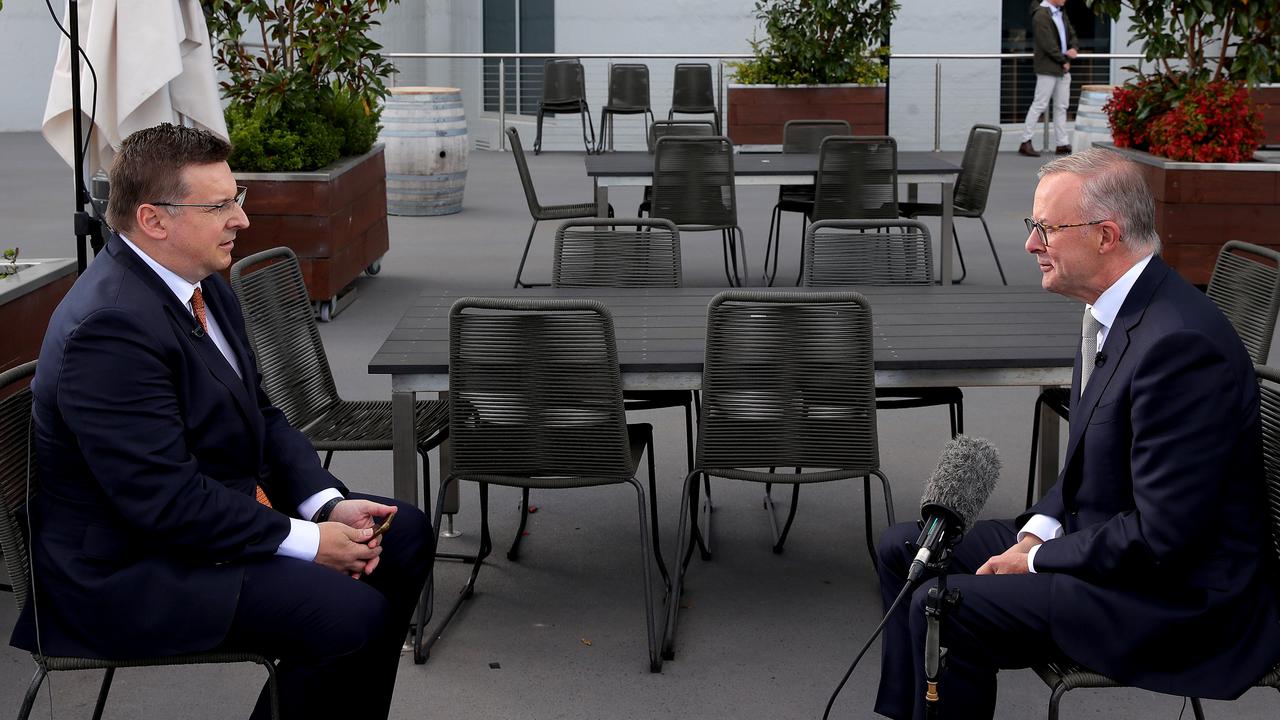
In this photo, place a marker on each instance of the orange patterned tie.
(198, 309)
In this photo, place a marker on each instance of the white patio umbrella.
(154, 65)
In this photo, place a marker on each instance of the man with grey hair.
(1146, 560)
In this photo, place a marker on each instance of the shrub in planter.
(816, 42)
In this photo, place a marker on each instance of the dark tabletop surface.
(641, 163)
(662, 330)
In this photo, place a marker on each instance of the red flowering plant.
(1195, 106)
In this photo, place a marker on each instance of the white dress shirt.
(1055, 12)
(1105, 310)
(303, 540)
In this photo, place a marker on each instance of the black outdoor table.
(914, 168)
(924, 336)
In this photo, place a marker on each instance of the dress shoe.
(1026, 149)
(1063, 150)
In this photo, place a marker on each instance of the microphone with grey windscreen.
(967, 471)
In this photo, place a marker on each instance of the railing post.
(502, 103)
(720, 93)
(937, 106)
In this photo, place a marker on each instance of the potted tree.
(303, 119)
(820, 59)
(1191, 122)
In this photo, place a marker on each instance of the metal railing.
(509, 82)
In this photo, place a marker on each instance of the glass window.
(525, 26)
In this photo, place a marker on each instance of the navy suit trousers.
(1001, 621)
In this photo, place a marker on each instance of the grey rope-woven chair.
(799, 137)
(693, 187)
(628, 95)
(879, 252)
(662, 128)
(539, 211)
(564, 90)
(295, 370)
(693, 92)
(969, 200)
(18, 486)
(1245, 285)
(788, 381)
(592, 256)
(535, 401)
(1064, 675)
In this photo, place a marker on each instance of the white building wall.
(969, 91)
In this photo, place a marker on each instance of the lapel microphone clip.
(1100, 359)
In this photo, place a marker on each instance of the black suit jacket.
(148, 447)
(1162, 578)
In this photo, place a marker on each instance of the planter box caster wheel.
(324, 310)
(374, 268)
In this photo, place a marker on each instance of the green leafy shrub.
(814, 42)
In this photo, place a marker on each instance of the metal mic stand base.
(940, 599)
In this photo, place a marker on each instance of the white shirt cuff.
(302, 542)
(308, 508)
(1044, 527)
(1031, 558)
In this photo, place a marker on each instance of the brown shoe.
(1026, 149)
(1063, 150)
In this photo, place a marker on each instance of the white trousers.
(1059, 89)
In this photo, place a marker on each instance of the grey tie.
(1088, 347)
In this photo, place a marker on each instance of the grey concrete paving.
(560, 634)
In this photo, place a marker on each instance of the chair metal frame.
(799, 137)
(1245, 285)
(564, 90)
(625, 98)
(539, 211)
(535, 401)
(693, 92)
(18, 483)
(694, 187)
(972, 188)
(815, 409)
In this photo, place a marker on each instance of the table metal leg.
(945, 232)
(451, 493)
(1047, 474)
(602, 200)
(404, 466)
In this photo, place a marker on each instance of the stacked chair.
(813, 409)
(535, 401)
(628, 95)
(19, 485)
(564, 91)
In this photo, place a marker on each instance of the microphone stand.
(940, 599)
(87, 227)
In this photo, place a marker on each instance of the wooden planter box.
(334, 218)
(757, 113)
(1200, 206)
(1268, 100)
(27, 300)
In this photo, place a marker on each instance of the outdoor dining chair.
(564, 91)
(295, 370)
(693, 92)
(857, 180)
(535, 401)
(1064, 675)
(879, 252)
(788, 382)
(693, 187)
(1245, 285)
(628, 95)
(800, 137)
(639, 253)
(19, 485)
(539, 211)
(973, 185)
(664, 128)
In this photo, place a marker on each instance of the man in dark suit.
(179, 512)
(1146, 560)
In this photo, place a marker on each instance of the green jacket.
(1048, 50)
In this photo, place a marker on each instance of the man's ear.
(152, 221)
(1108, 237)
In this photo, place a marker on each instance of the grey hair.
(1113, 189)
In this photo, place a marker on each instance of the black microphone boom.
(967, 471)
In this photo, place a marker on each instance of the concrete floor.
(560, 634)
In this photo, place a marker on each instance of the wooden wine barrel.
(1091, 122)
(425, 131)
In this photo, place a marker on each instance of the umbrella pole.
(87, 227)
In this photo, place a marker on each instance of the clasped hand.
(346, 539)
(1012, 561)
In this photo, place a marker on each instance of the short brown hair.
(148, 168)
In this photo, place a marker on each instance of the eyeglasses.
(1043, 230)
(241, 191)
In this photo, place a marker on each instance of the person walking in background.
(1055, 45)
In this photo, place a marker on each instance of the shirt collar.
(180, 287)
(1107, 306)
(1052, 8)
